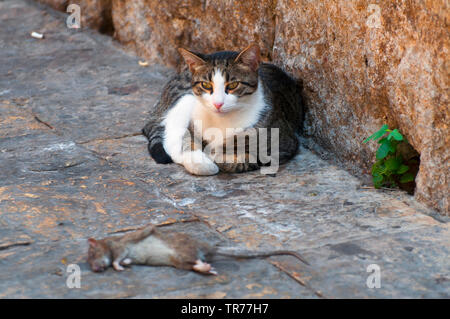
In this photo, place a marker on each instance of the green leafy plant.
(389, 169)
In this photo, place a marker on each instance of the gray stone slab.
(411, 265)
(41, 272)
(73, 165)
(108, 92)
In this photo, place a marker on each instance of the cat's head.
(221, 79)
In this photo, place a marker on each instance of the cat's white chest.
(209, 121)
(214, 127)
(246, 116)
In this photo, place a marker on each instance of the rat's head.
(222, 80)
(99, 255)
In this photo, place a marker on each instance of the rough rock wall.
(94, 13)
(360, 73)
(157, 28)
(363, 63)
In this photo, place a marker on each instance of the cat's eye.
(232, 85)
(206, 85)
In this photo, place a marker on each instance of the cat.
(223, 91)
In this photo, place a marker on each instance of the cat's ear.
(250, 56)
(192, 60)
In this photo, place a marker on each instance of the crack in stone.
(10, 245)
(110, 138)
(43, 122)
(56, 169)
(297, 279)
(163, 224)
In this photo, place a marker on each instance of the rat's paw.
(117, 266)
(203, 268)
(212, 271)
(197, 163)
(126, 261)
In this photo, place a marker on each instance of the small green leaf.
(393, 163)
(377, 181)
(407, 177)
(396, 135)
(403, 168)
(383, 151)
(377, 134)
(378, 171)
(391, 144)
(389, 165)
(377, 165)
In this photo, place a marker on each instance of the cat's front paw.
(197, 163)
(236, 163)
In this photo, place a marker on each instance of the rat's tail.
(232, 252)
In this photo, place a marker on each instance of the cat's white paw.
(197, 163)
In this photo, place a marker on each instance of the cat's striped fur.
(264, 97)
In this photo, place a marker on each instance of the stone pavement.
(73, 165)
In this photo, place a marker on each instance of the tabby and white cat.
(224, 90)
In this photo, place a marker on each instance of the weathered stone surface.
(56, 4)
(360, 73)
(96, 14)
(68, 134)
(72, 168)
(363, 63)
(156, 29)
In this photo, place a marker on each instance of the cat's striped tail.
(154, 132)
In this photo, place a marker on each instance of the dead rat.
(152, 247)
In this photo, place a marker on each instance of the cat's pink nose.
(218, 105)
